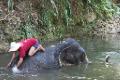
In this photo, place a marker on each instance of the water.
(96, 50)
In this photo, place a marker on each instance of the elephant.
(64, 53)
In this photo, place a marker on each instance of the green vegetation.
(60, 18)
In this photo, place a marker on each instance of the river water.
(96, 49)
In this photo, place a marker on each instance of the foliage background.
(52, 19)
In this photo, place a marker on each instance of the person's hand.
(8, 65)
(38, 48)
(15, 69)
(41, 48)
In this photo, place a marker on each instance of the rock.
(108, 27)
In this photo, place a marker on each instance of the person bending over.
(28, 46)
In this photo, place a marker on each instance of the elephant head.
(70, 52)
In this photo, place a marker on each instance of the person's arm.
(15, 68)
(19, 62)
(21, 56)
(41, 48)
(13, 56)
(33, 50)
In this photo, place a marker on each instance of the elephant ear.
(70, 52)
(70, 55)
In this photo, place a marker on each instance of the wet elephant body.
(67, 52)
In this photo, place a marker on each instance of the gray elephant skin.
(55, 56)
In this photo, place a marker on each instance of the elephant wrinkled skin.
(66, 52)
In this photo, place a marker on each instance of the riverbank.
(106, 27)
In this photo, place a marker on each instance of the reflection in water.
(96, 50)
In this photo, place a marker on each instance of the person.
(28, 46)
